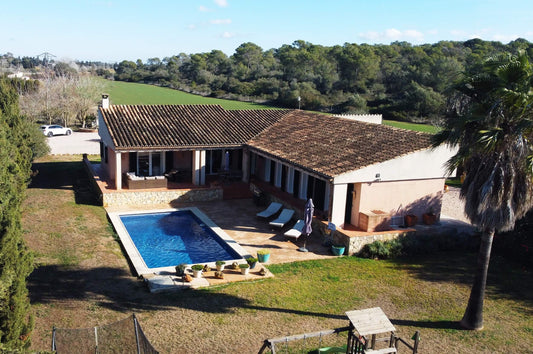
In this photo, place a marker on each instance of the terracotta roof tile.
(183, 126)
(331, 146)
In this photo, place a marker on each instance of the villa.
(358, 174)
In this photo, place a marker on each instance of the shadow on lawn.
(505, 280)
(117, 290)
(64, 175)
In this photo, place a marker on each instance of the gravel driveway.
(76, 143)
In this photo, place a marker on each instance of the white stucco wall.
(416, 167)
(423, 164)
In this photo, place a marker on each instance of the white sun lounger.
(272, 209)
(283, 218)
(296, 230)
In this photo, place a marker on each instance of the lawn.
(132, 93)
(83, 280)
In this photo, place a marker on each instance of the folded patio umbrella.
(308, 220)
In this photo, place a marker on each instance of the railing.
(271, 343)
(355, 344)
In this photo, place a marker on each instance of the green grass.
(133, 93)
(425, 128)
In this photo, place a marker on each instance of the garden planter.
(252, 265)
(220, 267)
(429, 218)
(197, 273)
(244, 271)
(263, 258)
(410, 220)
(337, 250)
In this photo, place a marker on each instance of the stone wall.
(161, 197)
(354, 244)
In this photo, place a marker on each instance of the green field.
(132, 93)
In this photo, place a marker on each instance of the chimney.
(105, 100)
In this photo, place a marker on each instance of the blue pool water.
(170, 238)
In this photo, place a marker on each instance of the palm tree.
(492, 132)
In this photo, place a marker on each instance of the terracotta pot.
(429, 218)
(410, 220)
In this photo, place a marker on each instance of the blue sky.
(115, 30)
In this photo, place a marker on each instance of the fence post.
(417, 340)
(136, 334)
(53, 338)
(96, 340)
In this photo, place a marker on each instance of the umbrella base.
(303, 249)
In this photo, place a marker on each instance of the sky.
(116, 30)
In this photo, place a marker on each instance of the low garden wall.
(161, 197)
(354, 244)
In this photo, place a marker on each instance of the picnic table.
(369, 323)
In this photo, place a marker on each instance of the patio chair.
(296, 230)
(283, 218)
(272, 209)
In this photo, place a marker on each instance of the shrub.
(382, 250)
(251, 260)
(197, 267)
(419, 244)
(263, 252)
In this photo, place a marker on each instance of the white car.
(51, 130)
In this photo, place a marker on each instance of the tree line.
(20, 142)
(401, 81)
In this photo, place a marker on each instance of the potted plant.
(180, 269)
(429, 218)
(220, 265)
(197, 270)
(245, 268)
(410, 220)
(338, 250)
(252, 261)
(263, 255)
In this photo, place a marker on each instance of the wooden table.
(371, 322)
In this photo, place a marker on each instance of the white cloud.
(221, 3)
(220, 21)
(203, 8)
(191, 26)
(393, 34)
(227, 35)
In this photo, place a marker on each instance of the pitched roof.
(324, 144)
(183, 126)
(331, 145)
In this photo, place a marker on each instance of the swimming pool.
(159, 240)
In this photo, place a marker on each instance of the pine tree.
(16, 262)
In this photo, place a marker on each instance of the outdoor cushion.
(296, 230)
(272, 209)
(283, 218)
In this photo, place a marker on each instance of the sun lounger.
(296, 230)
(283, 218)
(272, 209)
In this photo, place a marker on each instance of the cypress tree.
(16, 261)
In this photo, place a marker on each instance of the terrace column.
(199, 167)
(246, 165)
(338, 207)
(118, 170)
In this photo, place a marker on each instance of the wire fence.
(124, 336)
